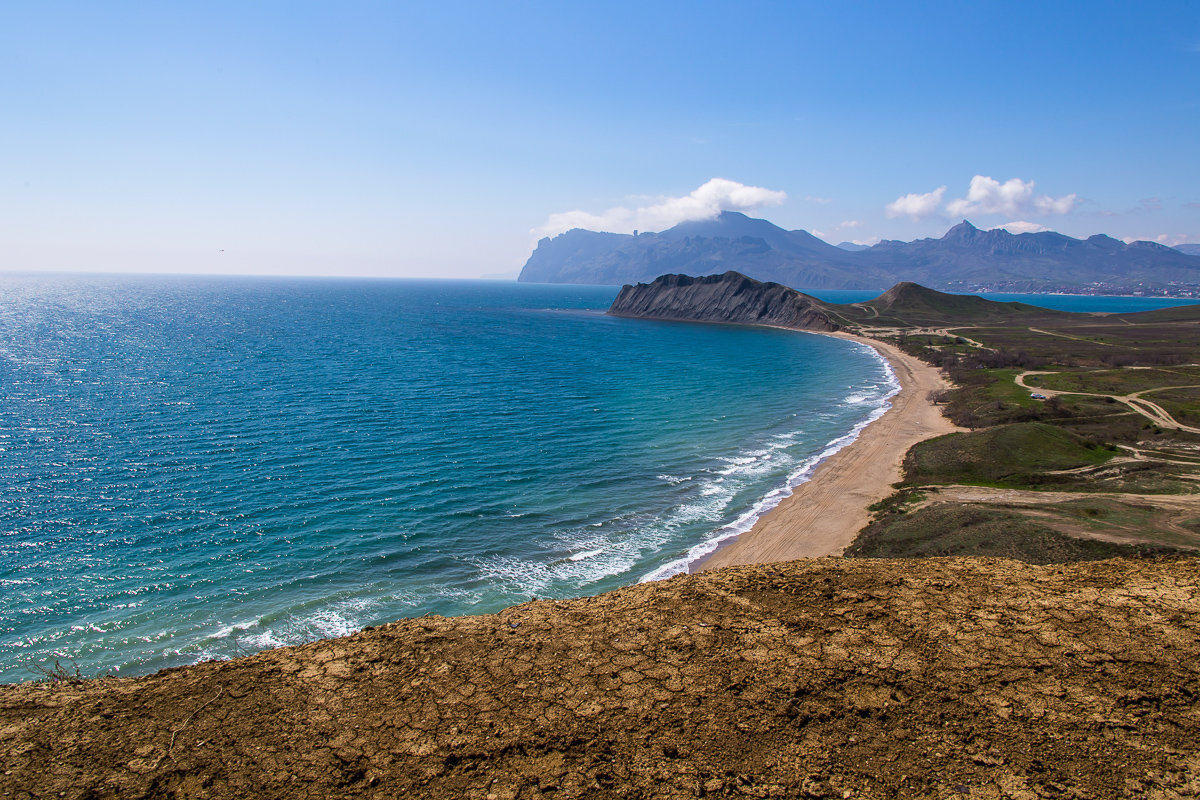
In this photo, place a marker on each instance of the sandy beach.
(823, 516)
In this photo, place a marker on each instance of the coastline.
(823, 515)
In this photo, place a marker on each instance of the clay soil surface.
(834, 678)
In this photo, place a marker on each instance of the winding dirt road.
(1147, 408)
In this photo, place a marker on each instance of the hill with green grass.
(909, 303)
(1004, 455)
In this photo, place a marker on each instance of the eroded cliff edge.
(730, 297)
(819, 678)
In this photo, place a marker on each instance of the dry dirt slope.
(821, 678)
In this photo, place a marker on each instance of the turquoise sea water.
(194, 467)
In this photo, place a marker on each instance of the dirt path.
(1155, 410)
(1147, 408)
(953, 333)
(1143, 454)
(989, 494)
(956, 333)
(1069, 336)
(1167, 512)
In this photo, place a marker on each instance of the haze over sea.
(195, 467)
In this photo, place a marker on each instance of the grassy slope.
(1004, 455)
(1018, 442)
(1117, 381)
(910, 304)
(956, 529)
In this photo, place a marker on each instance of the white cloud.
(1056, 205)
(985, 195)
(850, 223)
(916, 206)
(1170, 240)
(706, 202)
(1023, 227)
(822, 201)
(1012, 198)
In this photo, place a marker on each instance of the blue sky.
(371, 138)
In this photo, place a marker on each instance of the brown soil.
(822, 678)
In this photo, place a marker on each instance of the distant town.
(1183, 291)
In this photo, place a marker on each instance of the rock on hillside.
(731, 297)
(819, 678)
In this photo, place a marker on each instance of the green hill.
(913, 304)
(1007, 454)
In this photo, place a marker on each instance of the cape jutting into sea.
(193, 468)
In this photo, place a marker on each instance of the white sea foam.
(526, 577)
(616, 550)
(235, 628)
(749, 464)
(340, 618)
(881, 402)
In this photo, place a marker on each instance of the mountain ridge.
(964, 258)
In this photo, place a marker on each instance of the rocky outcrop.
(731, 297)
(818, 678)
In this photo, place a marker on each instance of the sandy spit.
(822, 516)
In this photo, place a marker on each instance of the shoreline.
(823, 515)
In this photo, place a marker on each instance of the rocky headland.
(731, 297)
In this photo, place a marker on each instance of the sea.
(194, 468)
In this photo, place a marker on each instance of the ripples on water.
(193, 467)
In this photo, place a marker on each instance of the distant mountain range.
(964, 259)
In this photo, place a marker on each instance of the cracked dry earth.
(832, 678)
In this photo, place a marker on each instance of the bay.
(192, 468)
